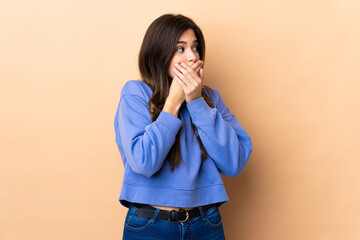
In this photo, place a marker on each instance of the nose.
(191, 57)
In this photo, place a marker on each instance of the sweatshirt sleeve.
(224, 139)
(145, 143)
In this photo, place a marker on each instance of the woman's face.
(186, 51)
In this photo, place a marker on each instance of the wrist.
(192, 99)
(172, 108)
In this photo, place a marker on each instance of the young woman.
(175, 137)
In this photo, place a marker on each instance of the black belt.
(182, 215)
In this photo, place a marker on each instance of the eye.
(180, 49)
(196, 48)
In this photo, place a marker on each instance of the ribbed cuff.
(169, 121)
(199, 108)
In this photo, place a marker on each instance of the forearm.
(226, 142)
(145, 143)
(224, 139)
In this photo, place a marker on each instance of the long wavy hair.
(157, 50)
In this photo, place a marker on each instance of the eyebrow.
(195, 41)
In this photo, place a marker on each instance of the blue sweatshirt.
(144, 145)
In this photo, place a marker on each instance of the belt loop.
(202, 213)
(155, 215)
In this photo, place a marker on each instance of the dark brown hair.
(157, 50)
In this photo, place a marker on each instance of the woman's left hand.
(190, 80)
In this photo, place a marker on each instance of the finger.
(195, 66)
(176, 79)
(178, 73)
(180, 76)
(186, 74)
(198, 66)
(192, 75)
(201, 74)
(182, 84)
(185, 83)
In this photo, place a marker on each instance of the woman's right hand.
(176, 94)
(175, 98)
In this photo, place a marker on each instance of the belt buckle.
(187, 215)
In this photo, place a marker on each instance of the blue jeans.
(208, 226)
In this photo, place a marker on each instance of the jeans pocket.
(213, 217)
(135, 223)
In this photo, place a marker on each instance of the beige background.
(289, 71)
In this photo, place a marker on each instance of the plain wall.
(288, 70)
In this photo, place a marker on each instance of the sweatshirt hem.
(173, 197)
